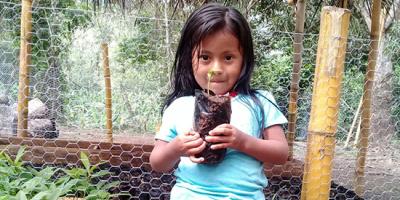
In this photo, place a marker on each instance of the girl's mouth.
(217, 81)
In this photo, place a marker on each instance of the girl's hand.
(190, 144)
(225, 135)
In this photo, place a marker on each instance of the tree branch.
(365, 12)
(392, 14)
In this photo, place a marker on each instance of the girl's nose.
(217, 67)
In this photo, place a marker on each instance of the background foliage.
(67, 36)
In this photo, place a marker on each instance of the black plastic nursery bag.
(211, 111)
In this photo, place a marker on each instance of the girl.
(218, 38)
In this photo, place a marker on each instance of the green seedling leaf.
(21, 195)
(62, 180)
(26, 175)
(46, 173)
(5, 197)
(66, 187)
(92, 168)
(110, 185)
(75, 173)
(40, 195)
(21, 152)
(8, 159)
(85, 162)
(5, 171)
(33, 184)
(100, 173)
(98, 194)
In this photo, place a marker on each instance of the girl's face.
(221, 53)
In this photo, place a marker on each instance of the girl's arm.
(272, 149)
(166, 155)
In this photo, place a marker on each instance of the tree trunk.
(382, 124)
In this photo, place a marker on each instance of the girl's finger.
(197, 148)
(219, 146)
(191, 136)
(220, 131)
(194, 143)
(217, 139)
(196, 160)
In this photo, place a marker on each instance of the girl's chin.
(218, 92)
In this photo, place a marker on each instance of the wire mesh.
(67, 109)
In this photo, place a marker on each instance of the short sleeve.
(273, 115)
(167, 130)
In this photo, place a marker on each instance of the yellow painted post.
(108, 99)
(362, 143)
(295, 81)
(24, 64)
(325, 103)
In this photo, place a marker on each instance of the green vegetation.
(19, 182)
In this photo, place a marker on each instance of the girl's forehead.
(224, 32)
(215, 37)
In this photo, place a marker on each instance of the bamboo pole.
(167, 40)
(353, 124)
(24, 64)
(356, 139)
(366, 105)
(297, 63)
(108, 99)
(325, 103)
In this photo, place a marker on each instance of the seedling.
(210, 74)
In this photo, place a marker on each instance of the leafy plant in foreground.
(21, 182)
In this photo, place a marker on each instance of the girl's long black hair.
(204, 21)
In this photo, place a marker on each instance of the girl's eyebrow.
(224, 52)
(205, 51)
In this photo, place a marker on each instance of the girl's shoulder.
(264, 95)
(181, 103)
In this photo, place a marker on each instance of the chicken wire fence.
(67, 112)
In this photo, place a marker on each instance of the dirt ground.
(382, 172)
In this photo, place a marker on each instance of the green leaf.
(40, 195)
(75, 173)
(21, 152)
(30, 185)
(85, 162)
(5, 197)
(54, 192)
(5, 170)
(67, 187)
(26, 175)
(9, 160)
(100, 173)
(62, 180)
(21, 195)
(92, 168)
(110, 185)
(46, 173)
(98, 194)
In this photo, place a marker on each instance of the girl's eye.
(228, 58)
(204, 57)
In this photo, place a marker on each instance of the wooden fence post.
(108, 98)
(24, 65)
(325, 103)
(366, 103)
(295, 81)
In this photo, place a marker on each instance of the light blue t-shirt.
(238, 176)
